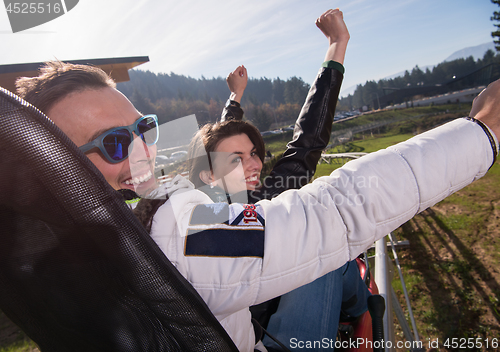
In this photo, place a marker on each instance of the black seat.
(78, 272)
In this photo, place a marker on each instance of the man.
(412, 176)
(83, 102)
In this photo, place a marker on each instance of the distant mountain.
(402, 73)
(475, 51)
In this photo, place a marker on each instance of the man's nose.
(139, 150)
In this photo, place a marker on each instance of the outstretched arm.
(317, 229)
(237, 82)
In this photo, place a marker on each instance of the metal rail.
(383, 278)
(415, 336)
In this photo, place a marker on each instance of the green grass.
(12, 339)
(451, 265)
(367, 145)
(21, 346)
(277, 143)
(403, 114)
(373, 144)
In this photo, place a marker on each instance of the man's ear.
(206, 176)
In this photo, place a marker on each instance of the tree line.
(448, 76)
(171, 96)
(275, 101)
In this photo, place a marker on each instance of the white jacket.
(236, 257)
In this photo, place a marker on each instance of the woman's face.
(236, 164)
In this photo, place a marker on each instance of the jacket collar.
(168, 188)
(217, 195)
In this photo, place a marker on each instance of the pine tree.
(496, 34)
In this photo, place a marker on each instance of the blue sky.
(272, 38)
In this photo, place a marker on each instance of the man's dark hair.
(59, 79)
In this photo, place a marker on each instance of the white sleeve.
(316, 229)
(337, 217)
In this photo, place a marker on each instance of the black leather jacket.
(298, 164)
(310, 137)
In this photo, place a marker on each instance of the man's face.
(85, 115)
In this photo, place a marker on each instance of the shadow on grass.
(424, 263)
(472, 264)
(455, 277)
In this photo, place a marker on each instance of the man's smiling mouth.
(139, 179)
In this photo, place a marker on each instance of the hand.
(237, 82)
(331, 23)
(486, 107)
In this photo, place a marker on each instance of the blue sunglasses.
(114, 143)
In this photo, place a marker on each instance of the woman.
(230, 172)
(225, 161)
